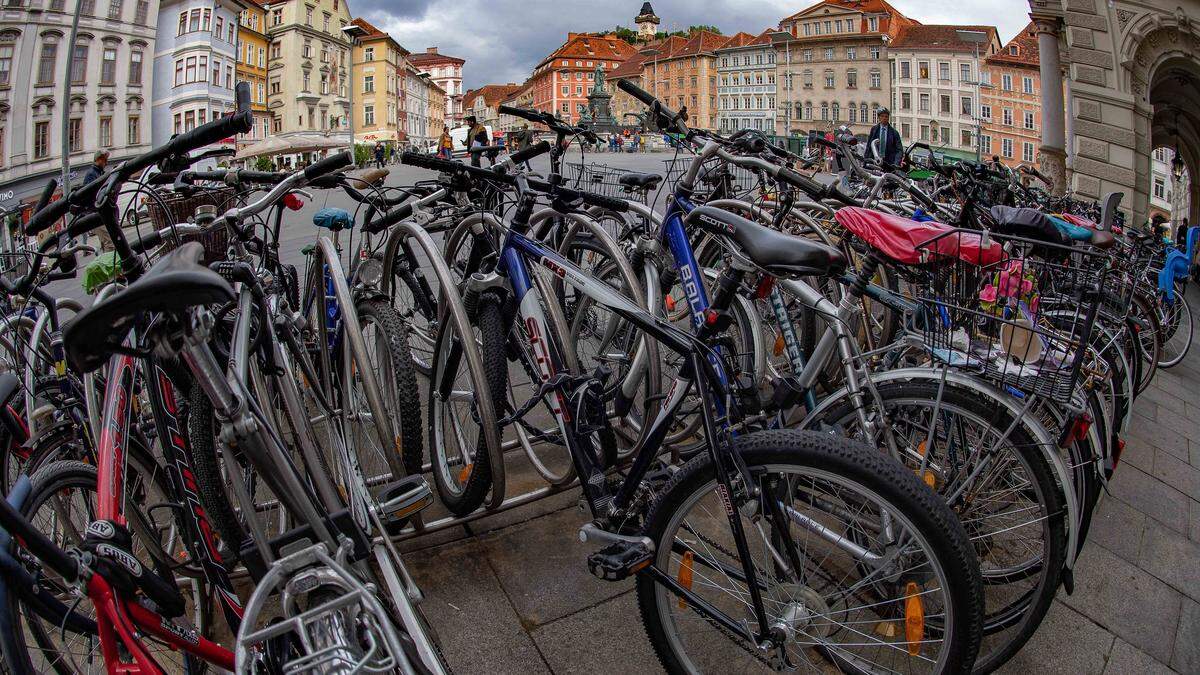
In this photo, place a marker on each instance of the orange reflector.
(685, 575)
(930, 479)
(465, 473)
(779, 345)
(914, 618)
(670, 304)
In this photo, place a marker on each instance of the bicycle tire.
(493, 335)
(405, 403)
(1143, 307)
(879, 479)
(1179, 320)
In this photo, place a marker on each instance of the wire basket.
(1017, 311)
(744, 180)
(170, 208)
(602, 179)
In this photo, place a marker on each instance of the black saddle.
(780, 254)
(177, 281)
(644, 181)
(1028, 223)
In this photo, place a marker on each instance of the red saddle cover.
(901, 239)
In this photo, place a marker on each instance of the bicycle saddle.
(1100, 238)
(333, 218)
(779, 254)
(646, 181)
(176, 282)
(1028, 223)
(369, 177)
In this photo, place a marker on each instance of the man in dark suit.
(891, 146)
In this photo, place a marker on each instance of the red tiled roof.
(631, 67)
(939, 37)
(1027, 50)
(492, 93)
(592, 46)
(372, 33)
(701, 42)
(745, 39)
(890, 24)
(428, 58)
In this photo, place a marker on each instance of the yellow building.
(437, 109)
(377, 63)
(308, 68)
(252, 67)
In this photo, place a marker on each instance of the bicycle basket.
(1019, 312)
(171, 208)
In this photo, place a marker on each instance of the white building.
(446, 71)
(416, 104)
(110, 84)
(1168, 195)
(936, 85)
(746, 83)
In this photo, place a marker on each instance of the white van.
(459, 136)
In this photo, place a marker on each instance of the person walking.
(1181, 235)
(99, 162)
(890, 147)
(445, 144)
(524, 141)
(379, 155)
(477, 137)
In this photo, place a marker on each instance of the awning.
(286, 145)
(384, 135)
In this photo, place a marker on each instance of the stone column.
(1054, 144)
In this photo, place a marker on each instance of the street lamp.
(785, 38)
(352, 33)
(976, 38)
(654, 53)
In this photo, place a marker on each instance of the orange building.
(562, 81)
(683, 73)
(1011, 101)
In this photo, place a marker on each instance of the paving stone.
(1165, 399)
(1172, 558)
(476, 626)
(1146, 409)
(1138, 452)
(1118, 527)
(1186, 658)
(1045, 653)
(1126, 601)
(1163, 436)
(1127, 659)
(1194, 521)
(543, 568)
(1194, 451)
(1177, 473)
(623, 649)
(1150, 496)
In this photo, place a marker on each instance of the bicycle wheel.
(389, 359)
(61, 504)
(462, 470)
(852, 599)
(1175, 318)
(995, 478)
(1148, 339)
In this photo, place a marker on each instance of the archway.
(1174, 97)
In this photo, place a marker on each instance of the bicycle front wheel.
(861, 568)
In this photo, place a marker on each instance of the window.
(1160, 188)
(837, 111)
(923, 70)
(308, 12)
(276, 50)
(1008, 117)
(985, 112)
(114, 9)
(75, 135)
(985, 144)
(106, 140)
(876, 79)
(306, 51)
(925, 132)
(1027, 85)
(966, 138)
(964, 72)
(79, 64)
(278, 122)
(41, 140)
(262, 58)
(829, 79)
(824, 111)
(325, 23)
(905, 129)
(808, 79)
(1027, 152)
(369, 115)
(945, 104)
(216, 73)
(1006, 82)
(135, 68)
(873, 24)
(108, 66)
(838, 25)
(905, 100)
(876, 52)
(566, 91)
(967, 106)
(276, 19)
(369, 54)
(1014, 50)
(306, 76)
(193, 21)
(851, 53)
(924, 102)
(275, 86)
(219, 27)
(1006, 147)
(852, 80)
(6, 57)
(808, 55)
(943, 71)
(945, 135)
(853, 113)
(87, 7)
(206, 20)
(905, 70)
(829, 53)
(1028, 120)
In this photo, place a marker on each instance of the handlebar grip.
(523, 113)
(795, 178)
(241, 94)
(821, 140)
(530, 152)
(43, 219)
(391, 218)
(262, 176)
(144, 243)
(328, 165)
(636, 92)
(593, 199)
(84, 224)
(427, 162)
(47, 193)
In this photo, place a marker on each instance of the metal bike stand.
(450, 306)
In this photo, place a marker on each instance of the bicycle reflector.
(685, 576)
(1077, 431)
(293, 201)
(914, 618)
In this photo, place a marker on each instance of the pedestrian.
(620, 143)
(477, 137)
(524, 142)
(1181, 235)
(891, 147)
(841, 164)
(445, 144)
(99, 162)
(379, 155)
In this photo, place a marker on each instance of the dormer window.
(1014, 50)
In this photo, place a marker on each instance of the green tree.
(263, 163)
(626, 34)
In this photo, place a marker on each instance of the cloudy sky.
(502, 40)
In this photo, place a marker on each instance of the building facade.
(309, 67)
(746, 83)
(684, 74)
(832, 65)
(937, 90)
(1169, 195)
(647, 22)
(194, 65)
(252, 68)
(416, 102)
(562, 80)
(377, 60)
(446, 72)
(625, 108)
(1012, 102)
(484, 102)
(437, 110)
(110, 78)
(521, 97)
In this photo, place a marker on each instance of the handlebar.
(668, 120)
(529, 153)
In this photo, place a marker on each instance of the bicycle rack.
(35, 338)
(450, 305)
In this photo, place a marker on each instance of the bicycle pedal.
(400, 500)
(619, 561)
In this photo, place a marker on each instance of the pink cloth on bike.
(904, 240)
(1079, 221)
